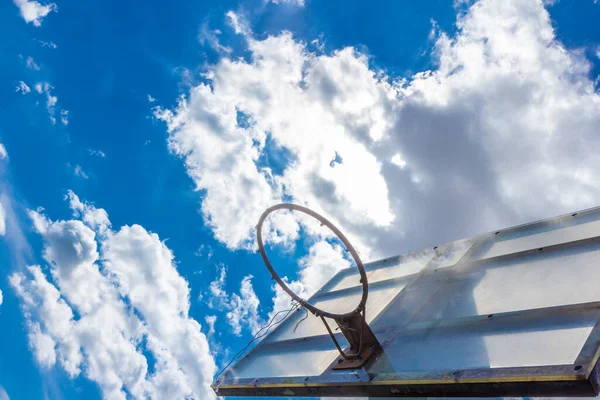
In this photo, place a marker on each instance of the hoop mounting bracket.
(362, 342)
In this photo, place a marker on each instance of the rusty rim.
(343, 239)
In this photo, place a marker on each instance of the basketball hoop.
(353, 325)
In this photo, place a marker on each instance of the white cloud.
(211, 320)
(46, 88)
(3, 394)
(316, 105)
(297, 3)
(30, 63)
(242, 310)
(204, 250)
(1, 298)
(78, 171)
(23, 88)
(51, 45)
(218, 297)
(238, 23)
(98, 153)
(2, 220)
(151, 99)
(3, 214)
(322, 262)
(398, 160)
(173, 336)
(14, 237)
(64, 117)
(503, 131)
(268, 91)
(95, 218)
(34, 12)
(216, 348)
(211, 38)
(130, 301)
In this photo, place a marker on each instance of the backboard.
(509, 313)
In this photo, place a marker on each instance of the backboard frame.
(579, 379)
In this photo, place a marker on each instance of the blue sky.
(143, 140)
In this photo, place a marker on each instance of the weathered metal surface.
(508, 313)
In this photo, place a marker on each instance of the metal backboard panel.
(509, 313)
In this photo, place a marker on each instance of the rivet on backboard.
(577, 367)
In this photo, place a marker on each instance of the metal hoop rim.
(324, 221)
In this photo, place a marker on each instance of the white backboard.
(509, 313)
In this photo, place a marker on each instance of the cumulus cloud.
(33, 11)
(502, 131)
(3, 152)
(106, 300)
(95, 218)
(296, 120)
(23, 88)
